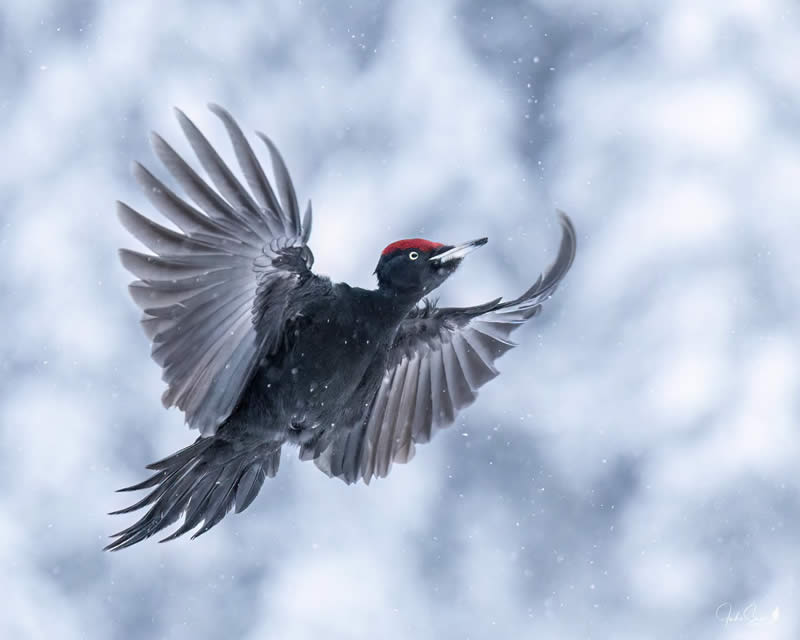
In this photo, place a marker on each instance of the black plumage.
(258, 351)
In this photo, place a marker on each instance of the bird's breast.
(320, 379)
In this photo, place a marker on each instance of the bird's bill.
(459, 251)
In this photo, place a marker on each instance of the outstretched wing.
(440, 358)
(214, 293)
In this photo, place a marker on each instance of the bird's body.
(260, 352)
(329, 366)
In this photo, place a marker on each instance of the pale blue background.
(635, 466)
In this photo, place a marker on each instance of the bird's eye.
(413, 255)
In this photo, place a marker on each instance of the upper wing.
(439, 359)
(214, 294)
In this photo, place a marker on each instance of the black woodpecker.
(258, 351)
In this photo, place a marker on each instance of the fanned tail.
(204, 481)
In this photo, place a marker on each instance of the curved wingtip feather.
(181, 117)
(219, 111)
(566, 251)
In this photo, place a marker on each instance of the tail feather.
(202, 482)
(181, 456)
(163, 481)
(196, 509)
(219, 504)
(249, 486)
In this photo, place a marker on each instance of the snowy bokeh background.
(634, 471)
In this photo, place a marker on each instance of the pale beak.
(459, 251)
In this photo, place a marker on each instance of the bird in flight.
(258, 351)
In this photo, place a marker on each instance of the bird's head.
(416, 266)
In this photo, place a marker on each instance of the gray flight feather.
(439, 360)
(214, 294)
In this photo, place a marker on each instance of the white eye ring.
(413, 255)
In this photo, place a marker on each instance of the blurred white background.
(632, 474)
